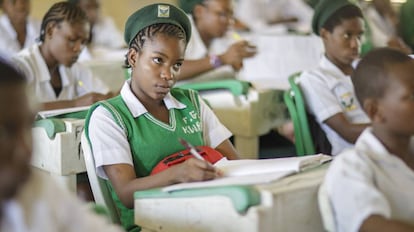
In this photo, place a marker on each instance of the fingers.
(197, 170)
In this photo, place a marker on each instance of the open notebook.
(246, 172)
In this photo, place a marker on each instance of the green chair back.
(296, 106)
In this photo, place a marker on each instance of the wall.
(119, 10)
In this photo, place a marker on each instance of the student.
(131, 133)
(17, 29)
(51, 69)
(28, 201)
(371, 186)
(328, 90)
(384, 23)
(210, 20)
(264, 15)
(103, 32)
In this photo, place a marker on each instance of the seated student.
(264, 15)
(103, 29)
(51, 69)
(29, 201)
(384, 23)
(17, 29)
(210, 20)
(131, 133)
(328, 90)
(371, 186)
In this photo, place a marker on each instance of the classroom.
(206, 115)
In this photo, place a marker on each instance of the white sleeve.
(109, 142)
(350, 185)
(320, 100)
(90, 82)
(214, 133)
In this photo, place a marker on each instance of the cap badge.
(163, 11)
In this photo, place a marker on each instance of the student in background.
(17, 29)
(328, 90)
(210, 20)
(383, 22)
(51, 69)
(371, 186)
(131, 133)
(103, 31)
(28, 201)
(263, 15)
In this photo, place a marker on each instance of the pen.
(193, 151)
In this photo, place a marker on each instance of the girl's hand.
(195, 170)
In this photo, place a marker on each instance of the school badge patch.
(163, 11)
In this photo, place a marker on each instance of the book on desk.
(249, 171)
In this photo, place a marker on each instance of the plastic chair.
(325, 209)
(296, 106)
(99, 187)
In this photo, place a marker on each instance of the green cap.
(188, 5)
(324, 10)
(154, 14)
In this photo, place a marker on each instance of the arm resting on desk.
(378, 224)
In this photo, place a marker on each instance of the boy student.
(210, 20)
(371, 186)
(29, 202)
(328, 90)
(131, 133)
(50, 67)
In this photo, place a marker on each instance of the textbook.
(248, 171)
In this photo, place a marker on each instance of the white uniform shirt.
(105, 34)
(369, 180)
(8, 39)
(258, 13)
(108, 138)
(76, 80)
(41, 205)
(327, 91)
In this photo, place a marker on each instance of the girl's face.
(66, 41)
(342, 45)
(156, 67)
(15, 139)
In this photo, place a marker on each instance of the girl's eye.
(177, 66)
(157, 60)
(347, 36)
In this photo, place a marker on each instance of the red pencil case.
(208, 153)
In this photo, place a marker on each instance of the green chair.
(296, 106)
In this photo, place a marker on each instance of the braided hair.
(59, 12)
(150, 32)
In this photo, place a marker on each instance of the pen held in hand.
(193, 151)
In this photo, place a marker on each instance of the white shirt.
(328, 91)
(108, 138)
(8, 39)
(42, 206)
(77, 80)
(257, 14)
(105, 34)
(369, 180)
